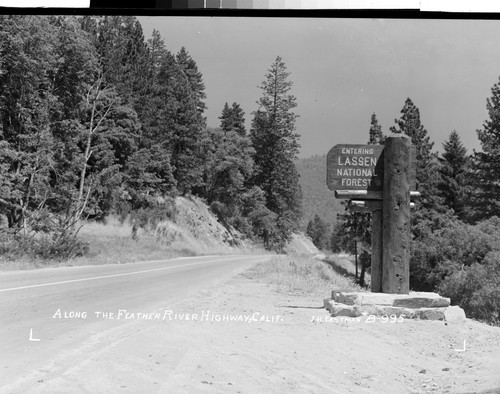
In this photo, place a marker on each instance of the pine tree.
(276, 147)
(169, 105)
(410, 125)
(136, 55)
(428, 175)
(183, 123)
(225, 118)
(150, 105)
(453, 186)
(376, 135)
(487, 163)
(233, 119)
(194, 76)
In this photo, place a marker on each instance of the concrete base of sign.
(416, 305)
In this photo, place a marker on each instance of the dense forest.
(95, 119)
(455, 247)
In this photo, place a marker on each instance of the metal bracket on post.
(368, 206)
(366, 195)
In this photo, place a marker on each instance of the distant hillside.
(317, 198)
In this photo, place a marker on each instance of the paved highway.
(53, 318)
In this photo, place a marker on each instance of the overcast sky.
(343, 70)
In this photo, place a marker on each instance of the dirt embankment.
(301, 245)
(196, 230)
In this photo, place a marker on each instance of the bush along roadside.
(462, 262)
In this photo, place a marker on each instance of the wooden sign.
(359, 167)
(380, 179)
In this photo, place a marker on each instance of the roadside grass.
(294, 274)
(111, 243)
(20, 263)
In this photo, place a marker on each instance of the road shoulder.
(244, 336)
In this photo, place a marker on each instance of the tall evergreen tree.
(276, 147)
(233, 119)
(150, 171)
(428, 175)
(194, 76)
(487, 162)
(410, 125)
(169, 104)
(376, 135)
(453, 186)
(136, 57)
(150, 104)
(183, 123)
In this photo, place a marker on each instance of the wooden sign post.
(396, 216)
(377, 251)
(378, 179)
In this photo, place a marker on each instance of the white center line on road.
(107, 276)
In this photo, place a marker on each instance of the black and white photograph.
(249, 202)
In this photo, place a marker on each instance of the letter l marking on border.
(31, 336)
